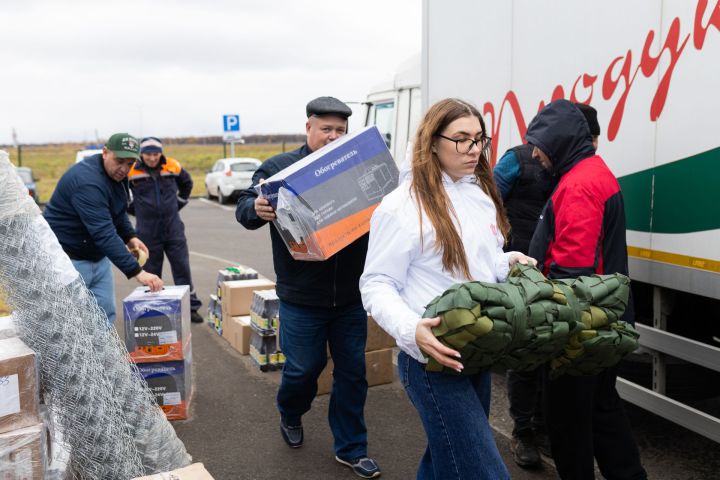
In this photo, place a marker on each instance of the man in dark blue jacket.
(320, 304)
(88, 214)
(160, 188)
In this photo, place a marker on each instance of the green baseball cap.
(124, 145)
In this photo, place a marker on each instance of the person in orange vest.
(160, 188)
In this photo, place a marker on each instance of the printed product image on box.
(324, 201)
(154, 332)
(157, 325)
(171, 383)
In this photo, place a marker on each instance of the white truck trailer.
(652, 70)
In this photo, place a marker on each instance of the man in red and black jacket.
(582, 232)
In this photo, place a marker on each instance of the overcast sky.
(173, 68)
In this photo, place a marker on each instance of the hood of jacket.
(562, 133)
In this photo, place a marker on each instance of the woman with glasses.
(443, 225)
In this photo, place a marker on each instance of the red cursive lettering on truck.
(619, 76)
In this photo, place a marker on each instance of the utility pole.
(17, 146)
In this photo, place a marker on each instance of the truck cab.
(394, 107)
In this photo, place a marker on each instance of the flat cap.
(327, 106)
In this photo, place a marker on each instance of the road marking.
(224, 207)
(212, 257)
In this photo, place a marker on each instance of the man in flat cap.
(88, 214)
(320, 305)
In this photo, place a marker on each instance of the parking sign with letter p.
(231, 123)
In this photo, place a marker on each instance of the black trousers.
(179, 257)
(585, 419)
(524, 393)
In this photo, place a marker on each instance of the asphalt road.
(234, 425)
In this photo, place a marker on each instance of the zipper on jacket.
(156, 184)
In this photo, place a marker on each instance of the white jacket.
(402, 275)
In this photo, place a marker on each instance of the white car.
(83, 154)
(229, 176)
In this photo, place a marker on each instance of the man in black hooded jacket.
(582, 232)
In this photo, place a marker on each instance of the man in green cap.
(88, 214)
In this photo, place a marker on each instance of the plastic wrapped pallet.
(263, 350)
(212, 303)
(324, 201)
(196, 471)
(264, 311)
(157, 325)
(239, 272)
(18, 385)
(23, 453)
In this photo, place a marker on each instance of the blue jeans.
(304, 333)
(98, 279)
(454, 412)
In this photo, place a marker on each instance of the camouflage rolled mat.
(529, 320)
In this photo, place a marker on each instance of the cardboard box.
(324, 201)
(378, 370)
(196, 471)
(379, 367)
(23, 453)
(171, 383)
(237, 332)
(377, 338)
(4, 307)
(19, 395)
(237, 295)
(157, 325)
(242, 333)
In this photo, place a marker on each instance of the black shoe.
(292, 434)
(363, 467)
(195, 317)
(525, 452)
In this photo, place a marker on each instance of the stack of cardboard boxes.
(157, 335)
(23, 437)
(228, 274)
(235, 297)
(378, 359)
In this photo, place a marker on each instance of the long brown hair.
(428, 188)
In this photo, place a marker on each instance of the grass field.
(50, 162)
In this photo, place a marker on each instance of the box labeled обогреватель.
(324, 201)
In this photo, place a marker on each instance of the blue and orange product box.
(157, 325)
(324, 201)
(171, 383)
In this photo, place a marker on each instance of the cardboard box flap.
(196, 471)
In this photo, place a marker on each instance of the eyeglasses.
(464, 145)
